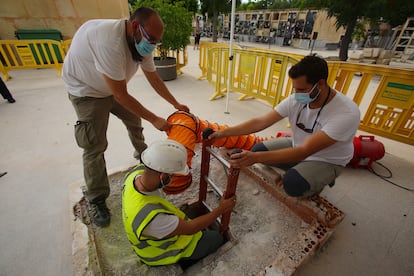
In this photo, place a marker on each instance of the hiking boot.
(100, 213)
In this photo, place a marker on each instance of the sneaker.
(11, 100)
(100, 213)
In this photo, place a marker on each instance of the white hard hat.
(167, 156)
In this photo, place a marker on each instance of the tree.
(395, 12)
(246, 6)
(191, 5)
(348, 12)
(212, 8)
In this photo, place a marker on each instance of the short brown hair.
(313, 67)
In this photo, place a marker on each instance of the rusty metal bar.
(229, 192)
(205, 168)
(232, 179)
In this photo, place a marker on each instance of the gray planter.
(166, 67)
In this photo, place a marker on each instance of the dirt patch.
(262, 230)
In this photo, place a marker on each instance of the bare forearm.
(315, 143)
(280, 156)
(191, 227)
(121, 95)
(159, 86)
(250, 126)
(202, 222)
(136, 107)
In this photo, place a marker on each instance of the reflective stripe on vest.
(167, 254)
(143, 244)
(143, 213)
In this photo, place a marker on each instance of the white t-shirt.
(162, 225)
(339, 119)
(100, 47)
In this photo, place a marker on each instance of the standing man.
(159, 232)
(104, 55)
(323, 122)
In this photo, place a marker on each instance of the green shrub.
(177, 24)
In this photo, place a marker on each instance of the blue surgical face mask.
(144, 48)
(305, 98)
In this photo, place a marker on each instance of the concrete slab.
(264, 233)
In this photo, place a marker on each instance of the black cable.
(377, 174)
(383, 177)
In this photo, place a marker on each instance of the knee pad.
(294, 184)
(259, 147)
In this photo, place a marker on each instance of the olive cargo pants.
(90, 135)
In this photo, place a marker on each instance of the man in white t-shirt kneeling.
(323, 123)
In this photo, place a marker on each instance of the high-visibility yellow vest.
(138, 210)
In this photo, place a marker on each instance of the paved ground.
(42, 162)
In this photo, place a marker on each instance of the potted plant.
(177, 31)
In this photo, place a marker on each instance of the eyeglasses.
(144, 33)
(301, 125)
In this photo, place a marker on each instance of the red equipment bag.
(366, 151)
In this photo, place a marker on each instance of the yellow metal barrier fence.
(297, 56)
(385, 95)
(255, 73)
(29, 54)
(66, 45)
(203, 55)
(261, 74)
(45, 53)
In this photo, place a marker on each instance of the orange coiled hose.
(186, 129)
(242, 142)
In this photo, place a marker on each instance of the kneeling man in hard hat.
(159, 232)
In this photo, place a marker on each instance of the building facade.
(284, 27)
(65, 16)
